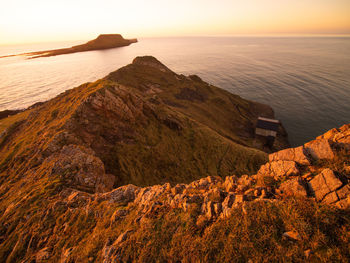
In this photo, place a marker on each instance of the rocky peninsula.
(104, 41)
(146, 165)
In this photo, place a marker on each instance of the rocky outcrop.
(104, 41)
(143, 124)
(140, 162)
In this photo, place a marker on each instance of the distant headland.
(104, 41)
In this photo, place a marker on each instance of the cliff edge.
(148, 165)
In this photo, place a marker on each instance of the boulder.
(319, 149)
(77, 166)
(230, 183)
(330, 198)
(295, 187)
(240, 199)
(228, 202)
(279, 169)
(209, 209)
(178, 189)
(344, 192)
(297, 155)
(122, 195)
(324, 183)
(340, 136)
(343, 204)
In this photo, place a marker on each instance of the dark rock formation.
(104, 41)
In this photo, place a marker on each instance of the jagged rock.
(78, 166)
(151, 193)
(297, 155)
(295, 186)
(228, 202)
(250, 193)
(319, 149)
(78, 199)
(151, 62)
(194, 199)
(344, 192)
(343, 204)
(279, 169)
(307, 176)
(122, 195)
(217, 208)
(292, 235)
(340, 136)
(203, 183)
(178, 189)
(324, 183)
(240, 199)
(244, 182)
(208, 209)
(330, 198)
(230, 183)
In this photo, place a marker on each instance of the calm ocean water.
(305, 80)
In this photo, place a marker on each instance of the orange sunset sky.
(25, 21)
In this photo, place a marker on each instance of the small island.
(104, 41)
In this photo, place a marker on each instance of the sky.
(30, 21)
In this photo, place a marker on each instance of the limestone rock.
(343, 204)
(340, 136)
(230, 183)
(324, 183)
(178, 189)
(279, 169)
(229, 200)
(240, 199)
(295, 187)
(78, 166)
(122, 195)
(330, 198)
(297, 155)
(344, 192)
(319, 149)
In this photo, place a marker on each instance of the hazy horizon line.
(186, 36)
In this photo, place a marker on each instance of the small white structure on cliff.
(267, 127)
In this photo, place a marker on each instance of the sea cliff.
(149, 165)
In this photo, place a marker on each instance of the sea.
(306, 80)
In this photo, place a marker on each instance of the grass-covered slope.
(209, 220)
(143, 124)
